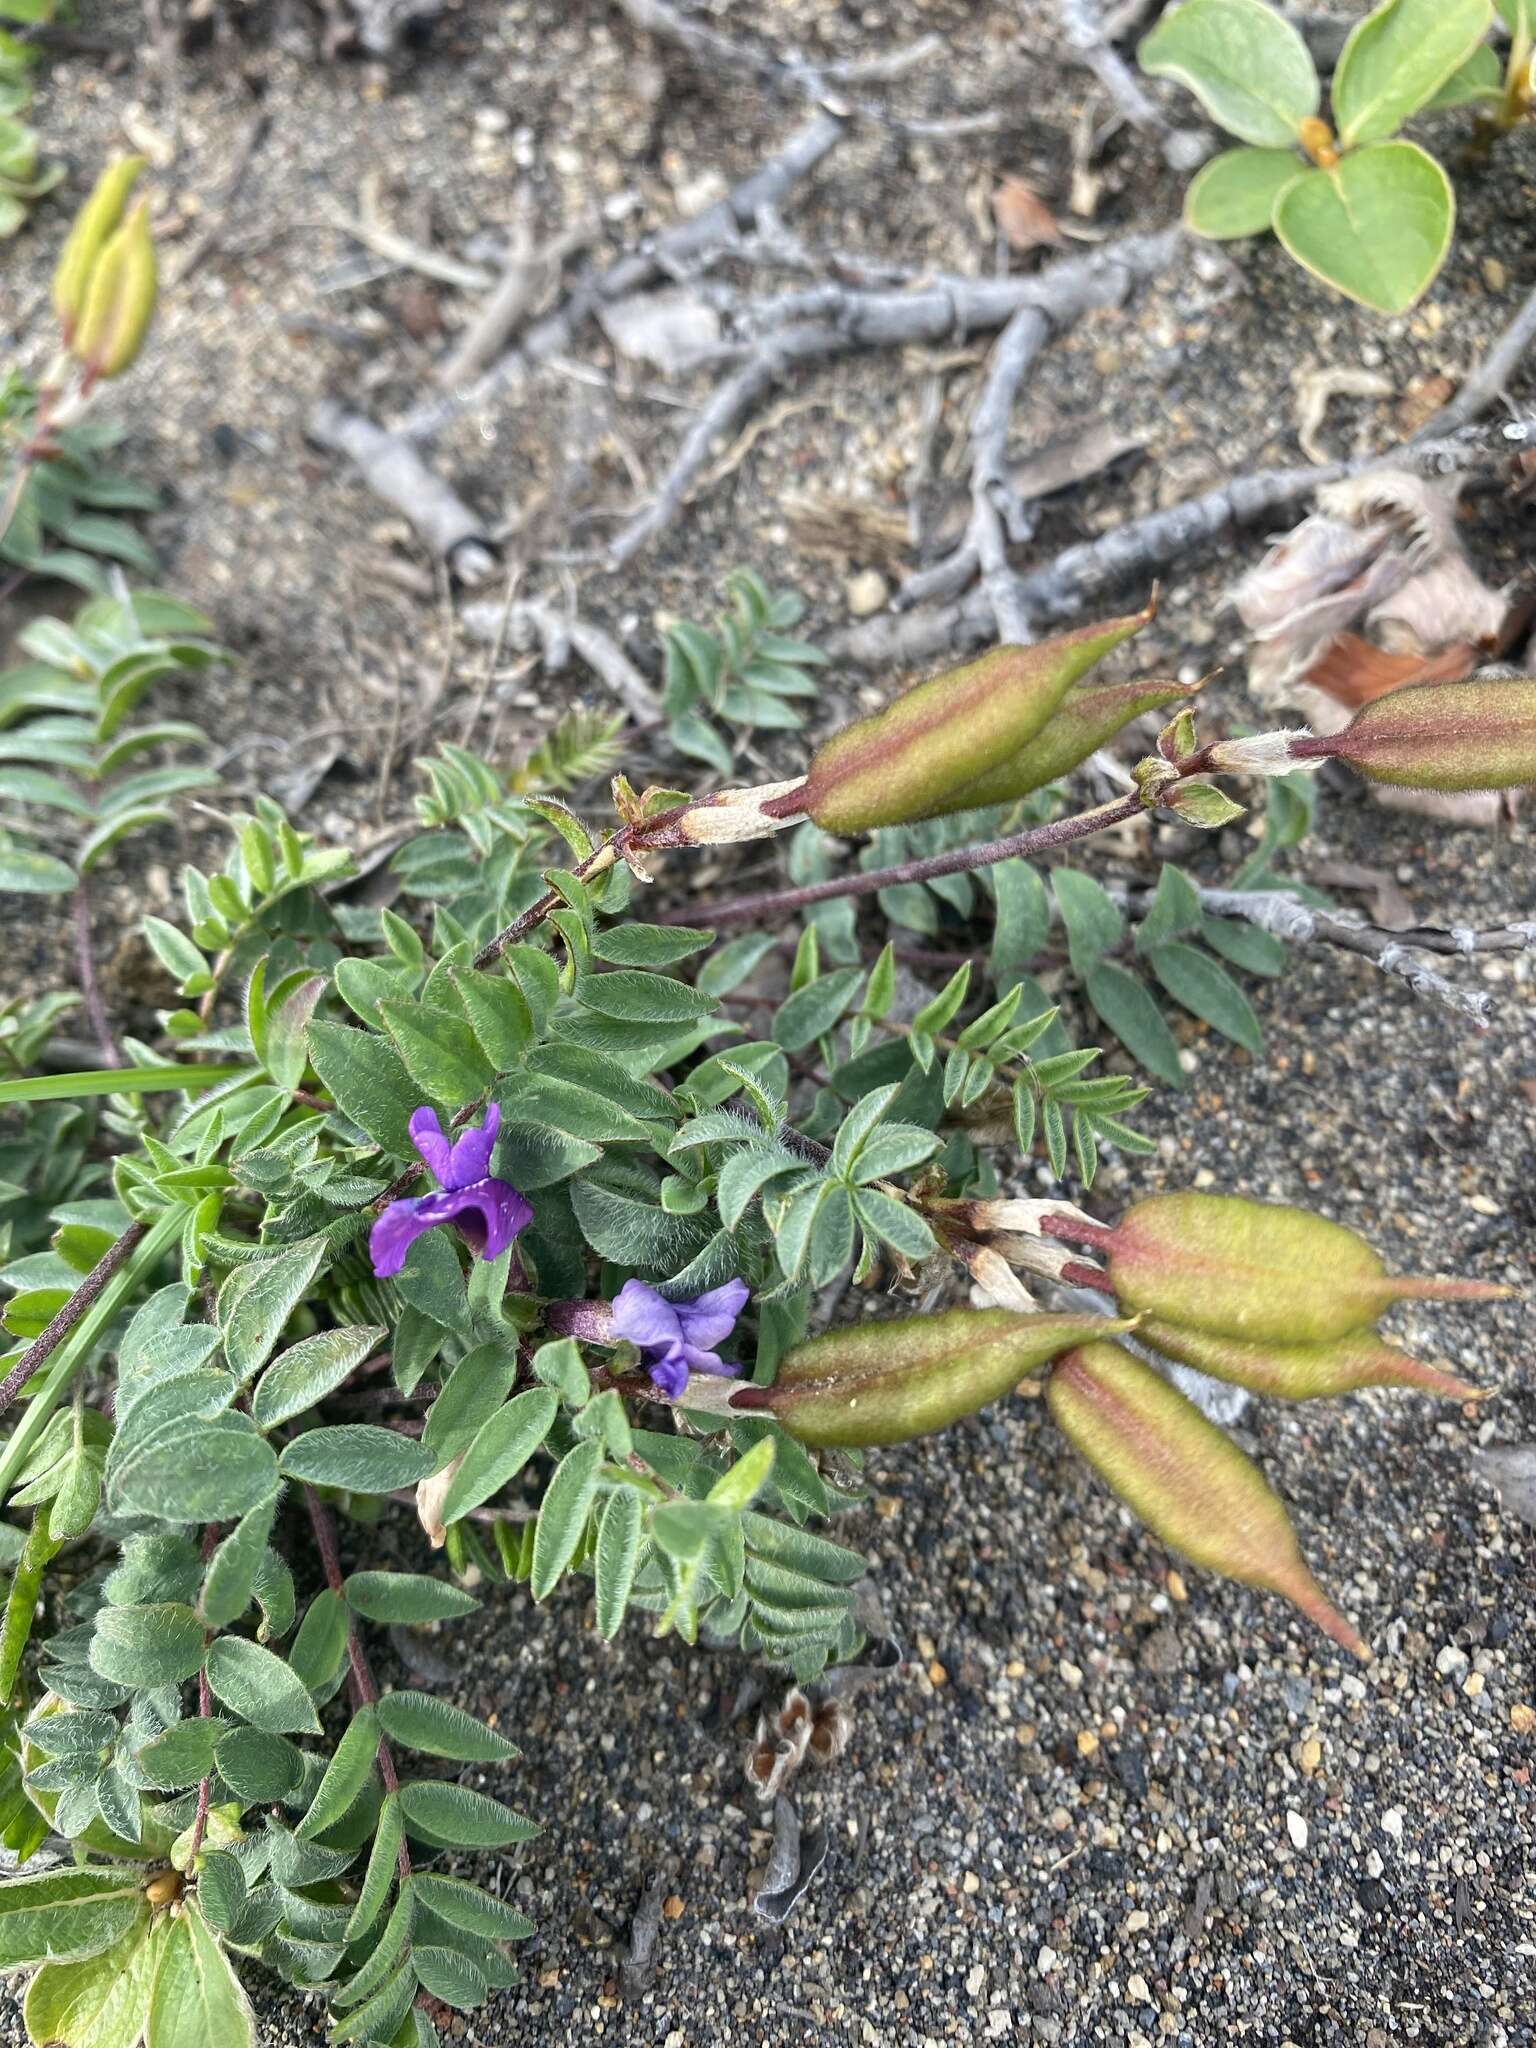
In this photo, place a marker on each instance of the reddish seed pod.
(1191, 1486)
(885, 1382)
(1479, 734)
(1302, 1372)
(1086, 719)
(911, 760)
(1260, 1271)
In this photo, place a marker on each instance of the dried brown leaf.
(1023, 217)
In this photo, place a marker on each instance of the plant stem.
(82, 1318)
(597, 862)
(204, 1707)
(85, 959)
(959, 860)
(364, 1691)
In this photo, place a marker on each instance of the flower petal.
(709, 1361)
(470, 1159)
(395, 1231)
(711, 1319)
(669, 1373)
(427, 1137)
(641, 1315)
(488, 1214)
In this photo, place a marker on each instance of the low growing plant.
(1356, 203)
(489, 1203)
(24, 174)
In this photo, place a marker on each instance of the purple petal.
(427, 1137)
(641, 1315)
(711, 1319)
(709, 1361)
(470, 1159)
(393, 1234)
(669, 1373)
(488, 1214)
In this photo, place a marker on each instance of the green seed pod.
(1192, 1486)
(884, 1382)
(87, 238)
(119, 299)
(1474, 735)
(910, 760)
(1302, 1372)
(1260, 1271)
(1086, 719)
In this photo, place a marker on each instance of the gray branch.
(1182, 149)
(558, 634)
(685, 242)
(393, 469)
(831, 320)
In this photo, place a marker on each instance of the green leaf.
(1376, 228)
(380, 1872)
(1479, 80)
(256, 1766)
(311, 1369)
(406, 1599)
(358, 1456)
(1122, 1002)
(1174, 910)
(1245, 64)
(740, 1486)
(1203, 986)
(498, 1014)
(118, 1081)
(1094, 923)
(649, 945)
(638, 998)
(103, 2003)
(1255, 951)
(197, 1999)
(452, 1817)
(345, 1776)
(618, 1553)
(500, 1450)
(1397, 59)
(317, 1650)
(813, 1010)
(230, 1584)
(260, 1688)
(563, 1515)
(446, 1974)
(25, 872)
(1235, 193)
(420, 1721)
(183, 1754)
(256, 1301)
(65, 1915)
(368, 1082)
(199, 1468)
(158, 1644)
(471, 1910)
(440, 1052)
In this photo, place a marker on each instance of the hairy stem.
(959, 860)
(89, 1291)
(85, 960)
(360, 1676)
(204, 1708)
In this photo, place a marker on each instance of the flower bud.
(87, 237)
(119, 299)
(1193, 1488)
(884, 1382)
(1479, 734)
(914, 759)
(1302, 1372)
(1259, 1271)
(1086, 719)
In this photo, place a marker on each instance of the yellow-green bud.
(1086, 719)
(119, 299)
(1302, 1372)
(1260, 1271)
(913, 759)
(1190, 1484)
(1452, 736)
(884, 1382)
(87, 238)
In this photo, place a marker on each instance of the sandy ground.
(1085, 1810)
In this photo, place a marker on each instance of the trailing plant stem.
(89, 1292)
(85, 960)
(363, 1689)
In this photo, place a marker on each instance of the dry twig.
(1182, 149)
(393, 469)
(558, 634)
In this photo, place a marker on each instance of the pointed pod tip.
(1304, 1593)
(1441, 1287)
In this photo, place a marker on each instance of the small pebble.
(1296, 1828)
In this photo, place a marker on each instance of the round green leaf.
(256, 1766)
(260, 1688)
(158, 1644)
(1376, 228)
(1245, 64)
(1397, 59)
(1235, 193)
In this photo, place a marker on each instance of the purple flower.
(677, 1337)
(487, 1212)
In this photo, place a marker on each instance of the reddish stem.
(85, 960)
(90, 1287)
(1072, 1230)
(204, 1707)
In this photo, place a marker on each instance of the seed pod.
(119, 299)
(909, 760)
(87, 238)
(1086, 719)
(1259, 1271)
(1192, 1486)
(1302, 1372)
(1474, 735)
(884, 1382)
